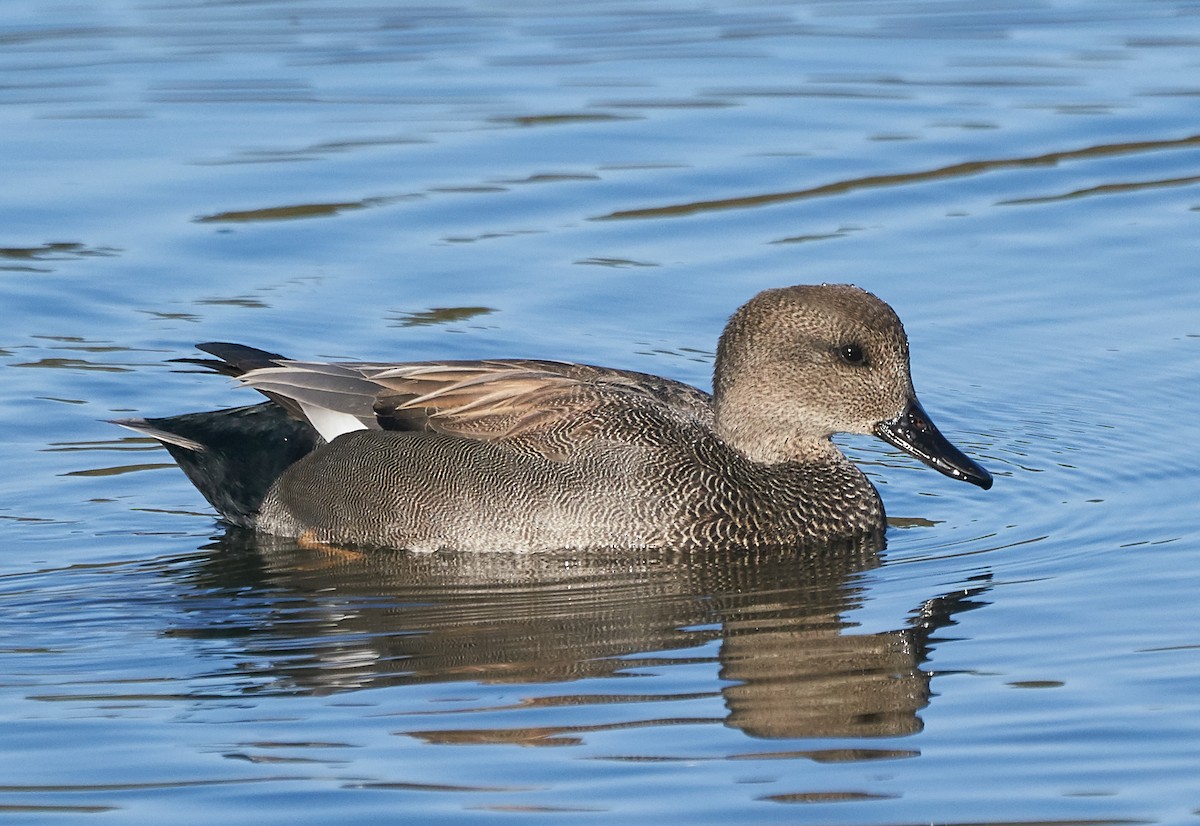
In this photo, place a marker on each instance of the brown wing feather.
(538, 405)
(487, 401)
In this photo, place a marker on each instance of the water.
(605, 183)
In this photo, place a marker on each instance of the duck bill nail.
(914, 433)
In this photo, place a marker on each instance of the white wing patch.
(330, 423)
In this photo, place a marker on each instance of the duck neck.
(806, 491)
(760, 436)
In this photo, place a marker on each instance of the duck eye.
(852, 354)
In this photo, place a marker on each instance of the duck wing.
(546, 406)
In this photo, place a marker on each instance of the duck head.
(796, 365)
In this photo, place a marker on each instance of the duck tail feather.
(233, 456)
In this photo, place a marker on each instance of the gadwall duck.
(531, 455)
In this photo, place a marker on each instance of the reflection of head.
(812, 682)
(820, 682)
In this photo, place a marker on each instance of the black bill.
(914, 433)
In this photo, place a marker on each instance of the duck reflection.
(328, 621)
